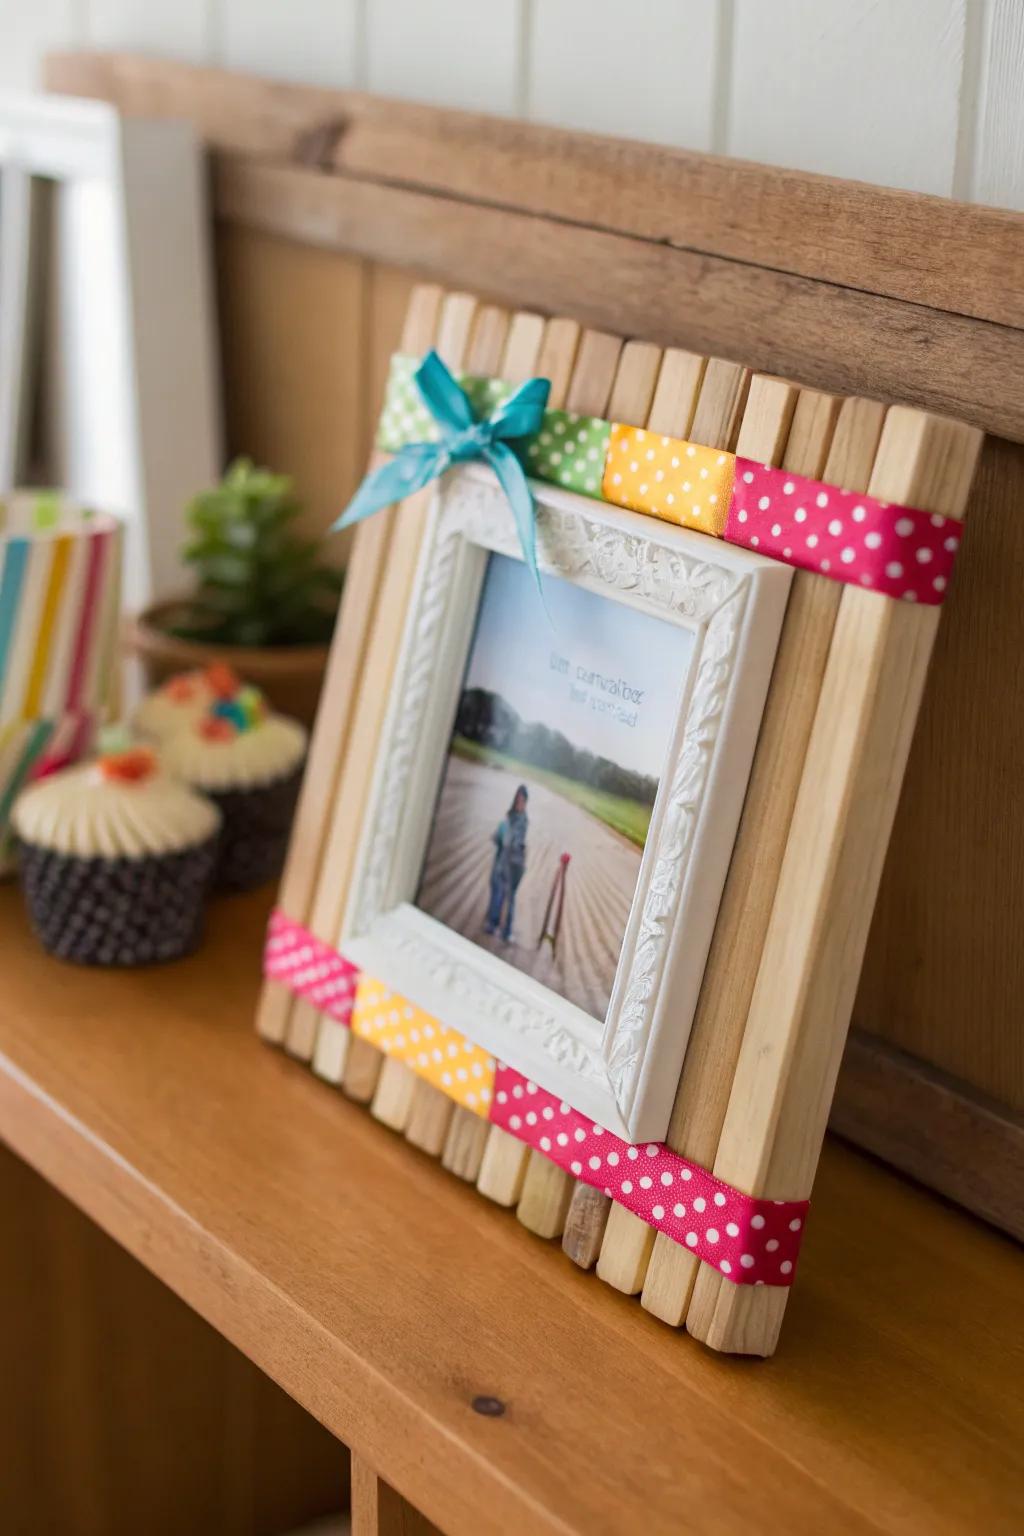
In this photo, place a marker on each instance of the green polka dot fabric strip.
(405, 419)
(569, 450)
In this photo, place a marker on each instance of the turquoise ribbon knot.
(463, 437)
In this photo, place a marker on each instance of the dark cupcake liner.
(117, 911)
(256, 826)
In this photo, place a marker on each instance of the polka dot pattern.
(749, 1241)
(570, 451)
(677, 481)
(898, 551)
(440, 1055)
(405, 419)
(309, 968)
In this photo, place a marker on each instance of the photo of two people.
(557, 749)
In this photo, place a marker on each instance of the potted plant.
(264, 603)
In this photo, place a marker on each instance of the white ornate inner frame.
(622, 1071)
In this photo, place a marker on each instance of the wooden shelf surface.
(385, 1296)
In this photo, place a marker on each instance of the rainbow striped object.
(59, 601)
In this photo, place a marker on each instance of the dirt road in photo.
(600, 881)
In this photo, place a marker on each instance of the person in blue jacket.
(509, 839)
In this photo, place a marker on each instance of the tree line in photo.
(486, 719)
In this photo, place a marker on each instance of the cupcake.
(183, 700)
(115, 860)
(249, 762)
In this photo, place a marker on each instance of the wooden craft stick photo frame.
(727, 605)
(678, 1159)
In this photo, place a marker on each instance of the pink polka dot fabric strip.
(898, 551)
(309, 968)
(751, 1242)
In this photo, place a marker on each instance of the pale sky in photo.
(514, 647)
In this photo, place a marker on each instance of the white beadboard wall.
(923, 94)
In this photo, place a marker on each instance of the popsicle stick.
(714, 1045)
(344, 667)
(431, 1112)
(760, 432)
(455, 320)
(503, 1168)
(585, 1224)
(807, 979)
(650, 390)
(362, 1070)
(392, 1100)
(464, 1149)
(547, 1190)
(511, 351)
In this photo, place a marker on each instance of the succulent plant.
(260, 583)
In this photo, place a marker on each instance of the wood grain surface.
(121, 1411)
(896, 295)
(385, 1295)
(873, 238)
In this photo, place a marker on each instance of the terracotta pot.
(289, 675)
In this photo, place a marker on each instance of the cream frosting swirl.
(181, 701)
(270, 749)
(84, 812)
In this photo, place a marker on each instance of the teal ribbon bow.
(463, 437)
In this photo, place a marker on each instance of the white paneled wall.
(927, 94)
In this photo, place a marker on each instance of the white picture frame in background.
(105, 251)
(622, 1070)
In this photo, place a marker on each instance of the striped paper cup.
(59, 599)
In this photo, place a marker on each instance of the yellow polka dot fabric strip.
(440, 1055)
(680, 482)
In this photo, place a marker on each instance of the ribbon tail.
(514, 483)
(443, 396)
(410, 470)
(522, 414)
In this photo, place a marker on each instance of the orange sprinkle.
(129, 767)
(181, 690)
(216, 728)
(222, 680)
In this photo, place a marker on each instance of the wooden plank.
(354, 755)
(451, 51)
(875, 239)
(665, 397)
(743, 916)
(377, 1510)
(432, 1112)
(931, 1126)
(552, 354)
(155, 1422)
(546, 1189)
(295, 315)
(909, 58)
(348, 649)
(998, 172)
(753, 416)
(807, 979)
(951, 889)
(577, 69)
(319, 45)
(384, 1297)
(839, 339)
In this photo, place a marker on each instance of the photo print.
(560, 737)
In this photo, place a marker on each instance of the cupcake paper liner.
(254, 837)
(117, 912)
